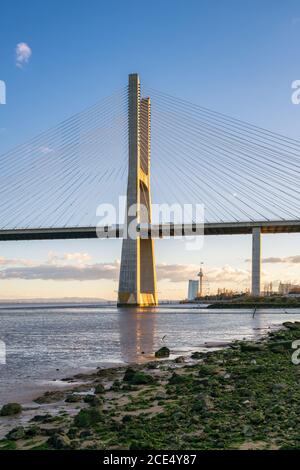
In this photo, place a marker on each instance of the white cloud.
(47, 272)
(182, 272)
(76, 266)
(23, 54)
(77, 257)
(292, 259)
(228, 274)
(15, 262)
(176, 272)
(276, 260)
(2, 92)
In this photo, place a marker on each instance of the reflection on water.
(46, 344)
(258, 322)
(137, 333)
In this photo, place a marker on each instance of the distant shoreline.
(52, 306)
(192, 308)
(258, 306)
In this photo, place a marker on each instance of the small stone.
(52, 431)
(180, 360)
(163, 352)
(50, 397)
(152, 365)
(72, 433)
(177, 379)
(279, 346)
(207, 370)
(59, 441)
(10, 409)
(127, 418)
(279, 387)
(116, 385)
(92, 400)
(161, 396)
(137, 377)
(251, 347)
(292, 325)
(248, 431)
(203, 381)
(129, 374)
(41, 418)
(99, 389)
(32, 431)
(257, 417)
(88, 417)
(73, 398)
(197, 355)
(16, 433)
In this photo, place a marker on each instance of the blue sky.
(237, 57)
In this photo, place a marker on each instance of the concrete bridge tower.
(137, 283)
(256, 262)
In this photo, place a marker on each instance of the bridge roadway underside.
(220, 228)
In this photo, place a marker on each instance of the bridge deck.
(155, 231)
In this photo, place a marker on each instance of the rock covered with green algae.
(88, 417)
(246, 397)
(99, 389)
(59, 442)
(250, 347)
(292, 325)
(163, 352)
(137, 377)
(73, 398)
(16, 433)
(10, 409)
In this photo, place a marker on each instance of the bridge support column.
(256, 261)
(137, 283)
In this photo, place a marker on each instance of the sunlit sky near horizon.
(239, 58)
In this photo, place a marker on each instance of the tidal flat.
(245, 396)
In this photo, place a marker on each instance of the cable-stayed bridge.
(244, 176)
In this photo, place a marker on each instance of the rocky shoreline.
(245, 396)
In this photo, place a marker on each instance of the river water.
(43, 345)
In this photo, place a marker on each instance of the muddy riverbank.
(245, 396)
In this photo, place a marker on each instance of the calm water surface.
(43, 345)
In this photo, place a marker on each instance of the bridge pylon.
(137, 283)
(256, 262)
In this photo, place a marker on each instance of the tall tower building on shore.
(193, 289)
(200, 275)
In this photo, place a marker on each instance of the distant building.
(200, 290)
(268, 289)
(295, 291)
(288, 288)
(193, 289)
